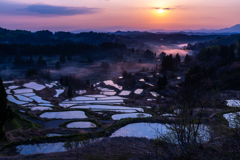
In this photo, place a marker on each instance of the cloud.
(173, 8)
(44, 10)
(59, 10)
(157, 8)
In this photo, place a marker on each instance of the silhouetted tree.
(149, 54)
(32, 72)
(87, 83)
(164, 81)
(70, 92)
(178, 58)
(167, 62)
(161, 55)
(45, 74)
(61, 81)
(58, 66)
(187, 59)
(6, 114)
(195, 75)
(31, 61)
(41, 62)
(227, 53)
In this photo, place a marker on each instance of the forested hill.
(129, 38)
(223, 40)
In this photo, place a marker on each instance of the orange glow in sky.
(113, 15)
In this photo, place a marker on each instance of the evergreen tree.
(178, 58)
(66, 81)
(41, 62)
(187, 59)
(87, 83)
(58, 66)
(5, 110)
(159, 82)
(70, 92)
(164, 81)
(61, 80)
(31, 61)
(167, 62)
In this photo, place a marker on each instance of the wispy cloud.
(169, 8)
(44, 10)
(59, 10)
(162, 8)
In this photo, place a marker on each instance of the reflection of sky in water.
(81, 125)
(41, 148)
(130, 115)
(64, 115)
(151, 130)
(108, 107)
(147, 130)
(48, 147)
(233, 119)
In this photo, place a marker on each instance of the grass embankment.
(19, 122)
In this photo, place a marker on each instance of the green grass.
(20, 122)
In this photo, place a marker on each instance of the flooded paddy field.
(109, 107)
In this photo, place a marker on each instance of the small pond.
(107, 107)
(233, 119)
(111, 83)
(39, 99)
(34, 86)
(14, 100)
(124, 93)
(233, 103)
(22, 91)
(29, 94)
(96, 96)
(130, 115)
(13, 87)
(108, 93)
(66, 105)
(23, 98)
(138, 91)
(64, 115)
(81, 125)
(59, 91)
(48, 147)
(152, 130)
(154, 94)
(53, 135)
(40, 108)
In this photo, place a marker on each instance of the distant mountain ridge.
(231, 30)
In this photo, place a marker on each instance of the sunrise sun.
(160, 11)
